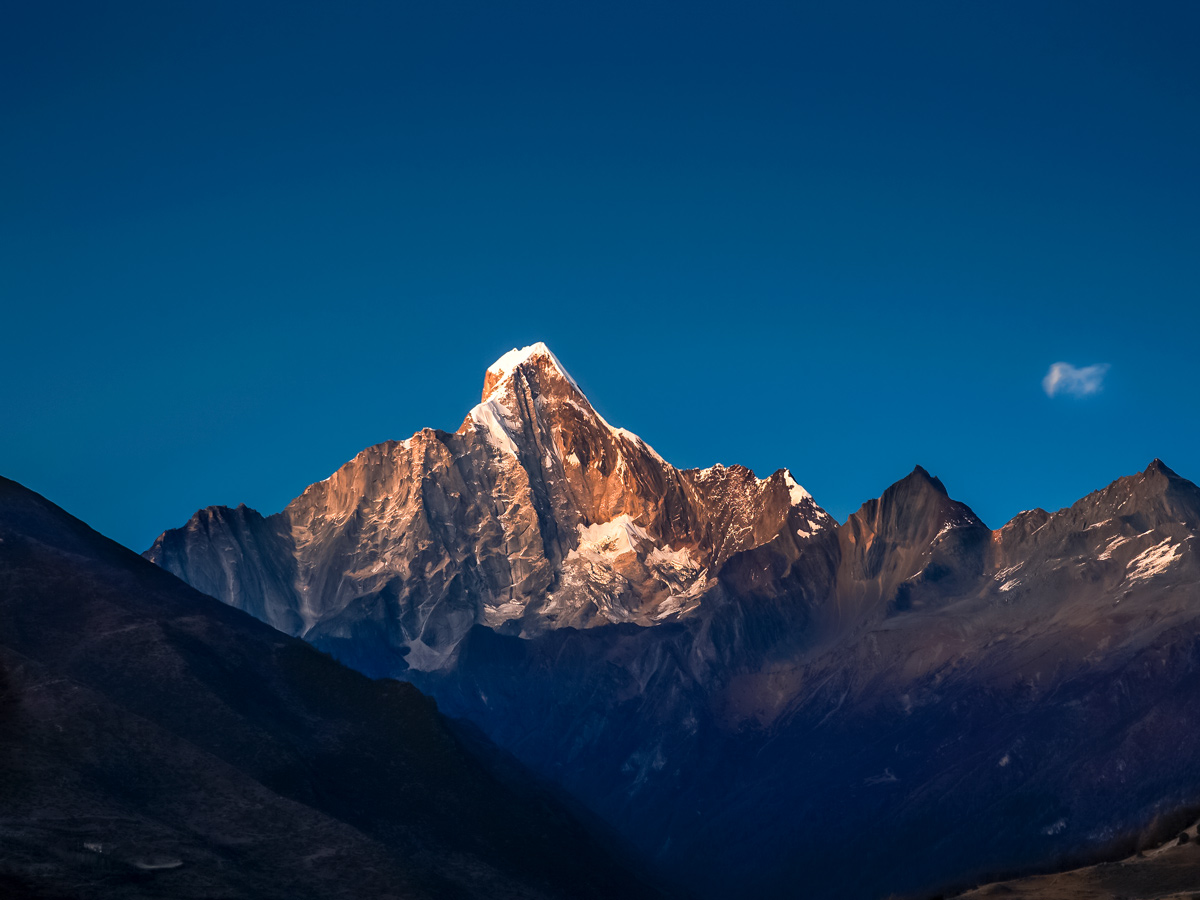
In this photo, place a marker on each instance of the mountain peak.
(537, 354)
(1158, 467)
(914, 504)
(920, 476)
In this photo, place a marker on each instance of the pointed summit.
(1158, 467)
(911, 547)
(535, 356)
(919, 476)
(528, 392)
(916, 510)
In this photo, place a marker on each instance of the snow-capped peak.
(795, 491)
(504, 367)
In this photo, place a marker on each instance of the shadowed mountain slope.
(157, 743)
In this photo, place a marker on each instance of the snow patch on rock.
(797, 493)
(1153, 561)
(1006, 573)
(1112, 545)
(497, 615)
(489, 418)
(610, 539)
(957, 522)
(679, 558)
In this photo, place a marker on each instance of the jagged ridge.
(535, 514)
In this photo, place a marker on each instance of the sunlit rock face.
(535, 514)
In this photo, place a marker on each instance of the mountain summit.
(535, 514)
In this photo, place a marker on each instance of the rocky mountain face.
(156, 743)
(536, 514)
(763, 701)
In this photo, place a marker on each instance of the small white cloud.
(1064, 378)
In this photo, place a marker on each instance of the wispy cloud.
(1064, 378)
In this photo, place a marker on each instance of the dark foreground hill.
(157, 743)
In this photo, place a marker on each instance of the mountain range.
(763, 701)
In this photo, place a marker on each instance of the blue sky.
(237, 245)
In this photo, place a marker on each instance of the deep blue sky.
(237, 245)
